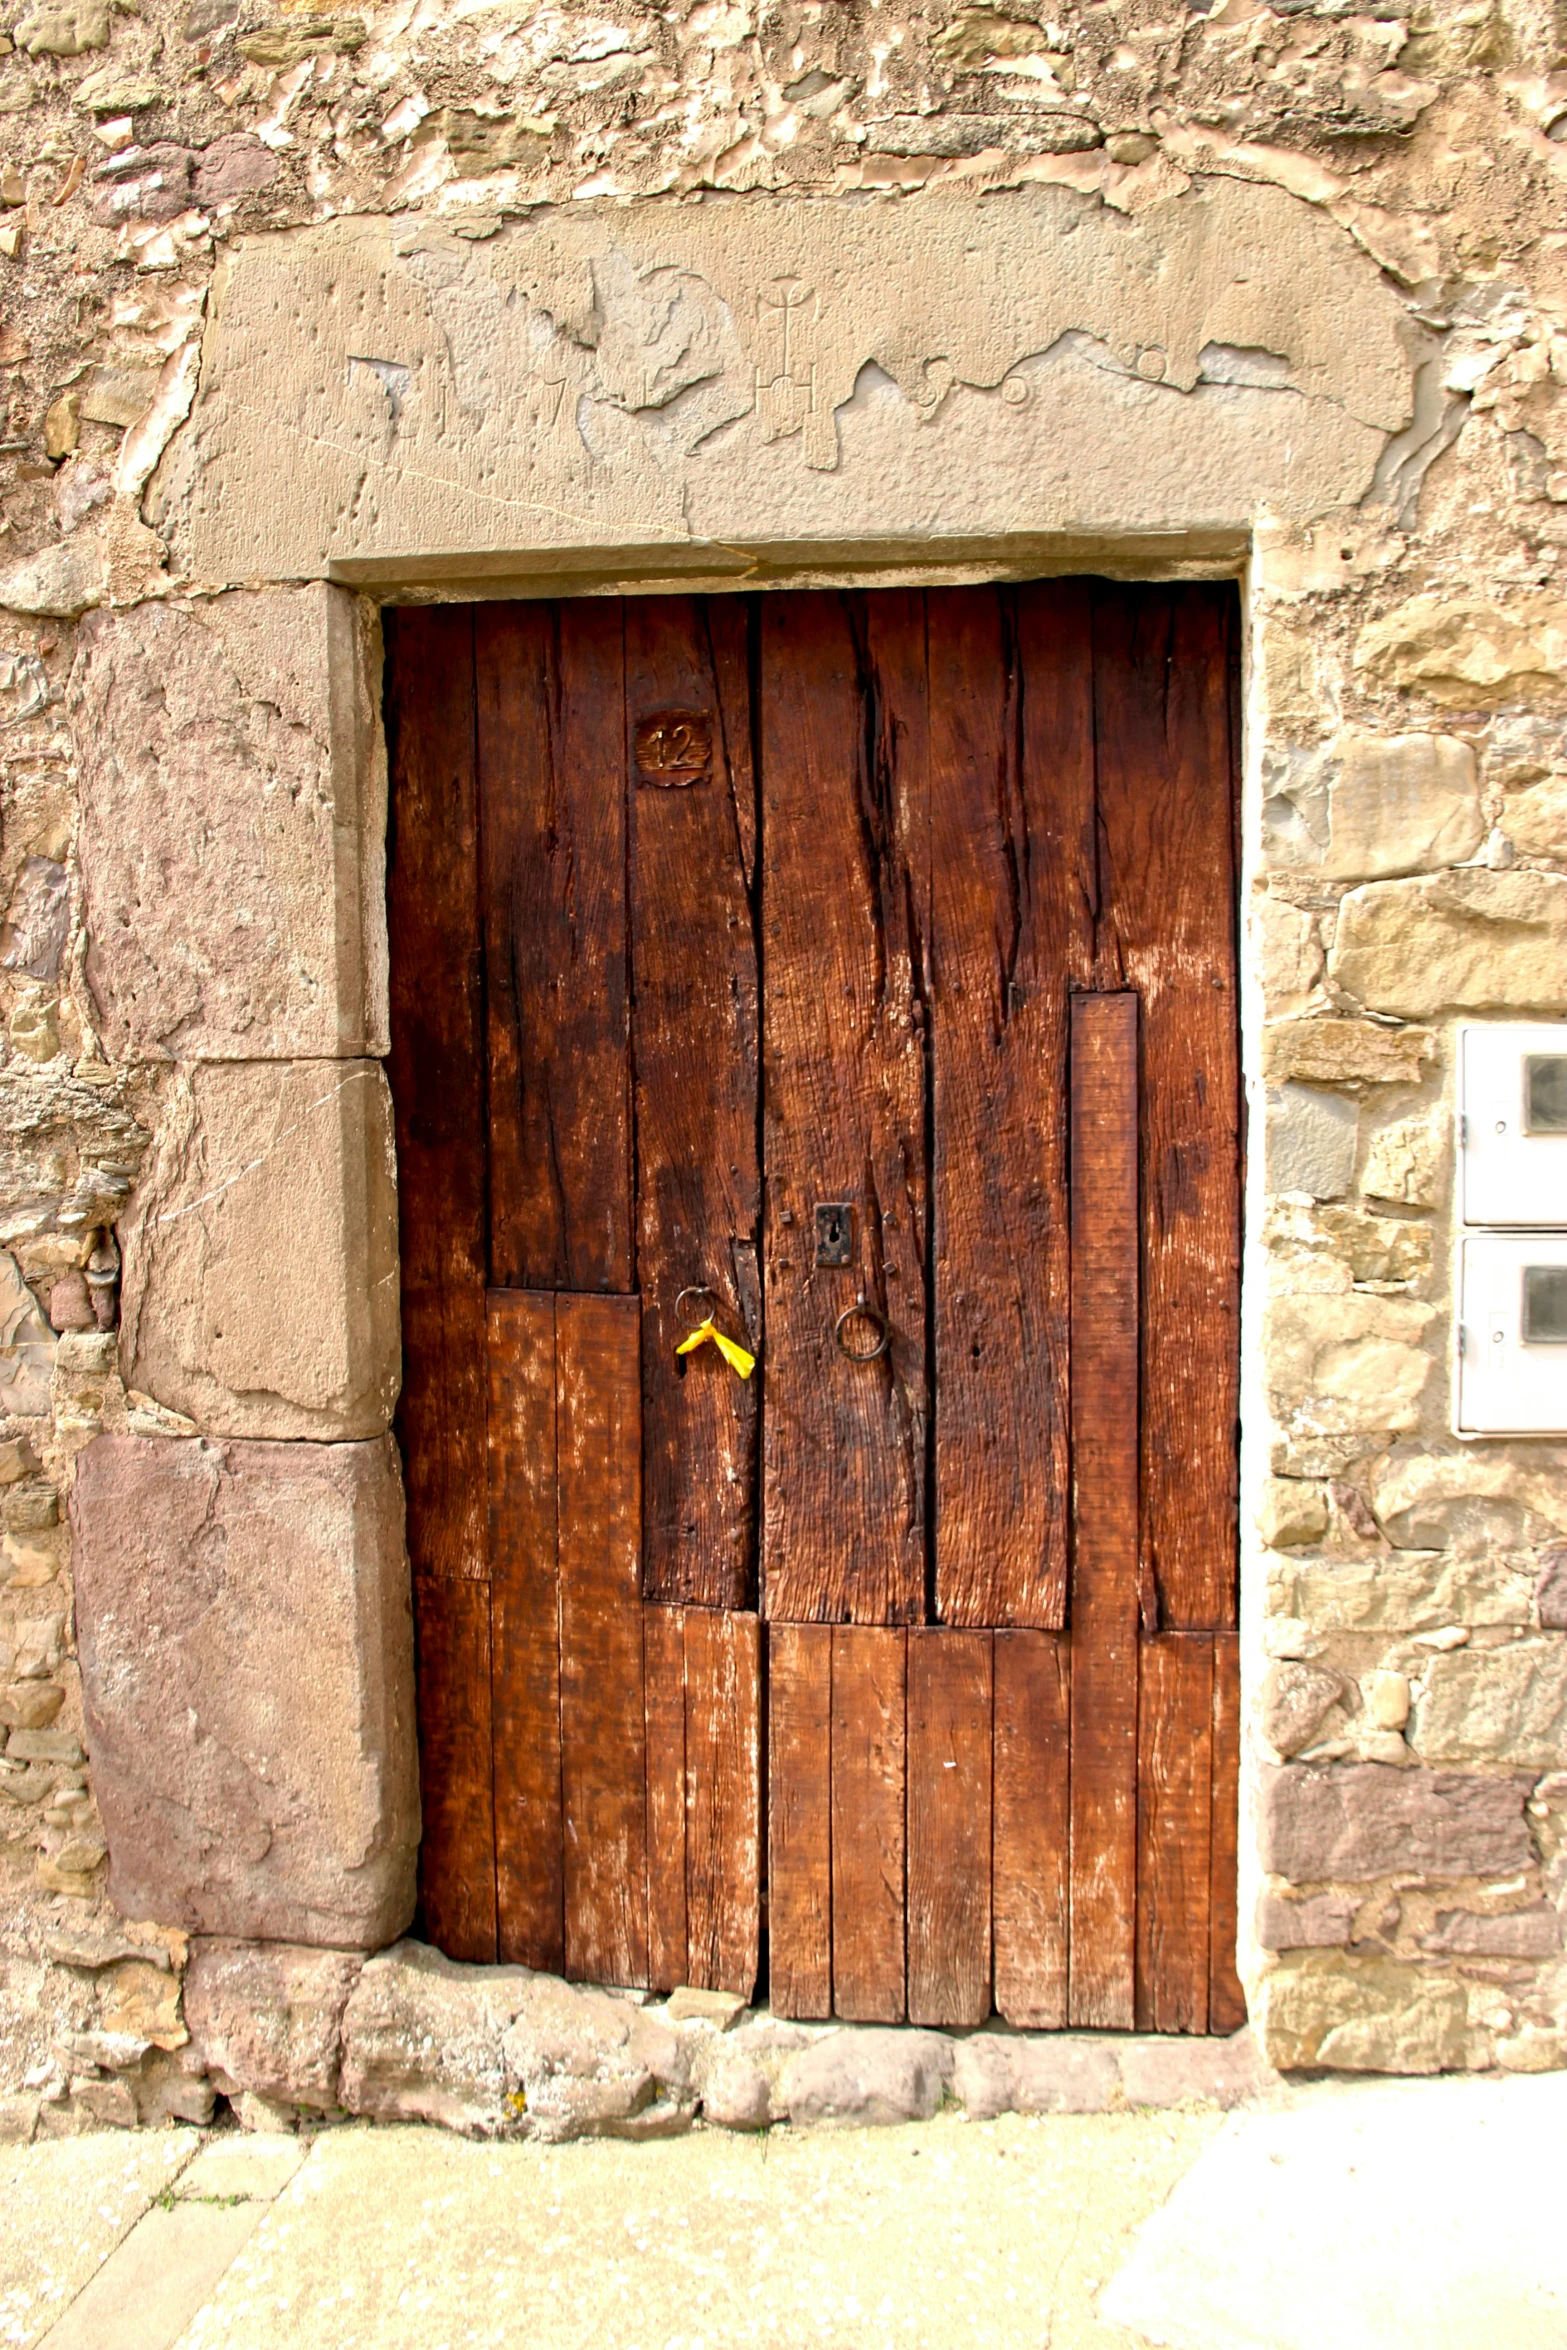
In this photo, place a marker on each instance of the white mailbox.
(1512, 1334)
(1512, 1098)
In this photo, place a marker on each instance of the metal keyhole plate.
(834, 1232)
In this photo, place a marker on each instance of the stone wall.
(299, 311)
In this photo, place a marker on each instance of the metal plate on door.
(834, 1232)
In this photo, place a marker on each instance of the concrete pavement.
(1062, 2232)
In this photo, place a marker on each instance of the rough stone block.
(1333, 1051)
(1366, 805)
(1495, 1705)
(1291, 1513)
(230, 827)
(1473, 941)
(267, 2017)
(1352, 1821)
(259, 1289)
(1466, 651)
(1287, 950)
(1322, 1921)
(1002, 2072)
(1478, 1497)
(1178, 2071)
(869, 2076)
(1311, 1141)
(1293, 1702)
(1347, 1363)
(246, 1645)
(581, 2064)
(1407, 1161)
(1516, 1933)
(1374, 2018)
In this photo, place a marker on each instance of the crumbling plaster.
(446, 301)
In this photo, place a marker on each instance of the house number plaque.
(674, 747)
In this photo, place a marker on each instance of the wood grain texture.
(436, 1071)
(869, 1877)
(1105, 1509)
(603, 1736)
(723, 1798)
(1029, 1893)
(525, 1629)
(799, 1820)
(1011, 700)
(845, 863)
(1174, 1796)
(1167, 785)
(949, 1826)
(1226, 1998)
(694, 1039)
(551, 733)
(457, 1844)
(664, 1687)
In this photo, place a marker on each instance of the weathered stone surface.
(118, 395)
(58, 582)
(913, 319)
(691, 2005)
(1291, 1513)
(1467, 650)
(1516, 1933)
(1287, 950)
(1310, 1244)
(259, 1286)
(1292, 1703)
(1480, 1497)
(1311, 1141)
(869, 2076)
(739, 2077)
(63, 28)
(1178, 2071)
(1376, 2018)
(233, 167)
(581, 2064)
(1550, 1592)
(1387, 1699)
(1535, 819)
(231, 816)
(1365, 805)
(68, 1152)
(1407, 1161)
(1333, 1051)
(245, 1636)
(1349, 1821)
(1321, 1921)
(26, 1345)
(1001, 2072)
(37, 920)
(1495, 1705)
(1342, 1364)
(1474, 941)
(267, 2017)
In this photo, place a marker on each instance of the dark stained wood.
(1168, 926)
(436, 1070)
(1030, 1838)
(723, 1797)
(799, 1816)
(664, 1678)
(949, 1811)
(694, 1037)
(552, 751)
(868, 1837)
(603, 1738)
(1105, 1512)
(844, 898)
(525, 1629)
(1174, 1774)
(457, 1845)
(1226, 1999)
(1012, 780)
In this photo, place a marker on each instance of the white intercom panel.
(1512, 1099)
(1512, 1334)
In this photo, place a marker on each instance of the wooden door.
(860, 970)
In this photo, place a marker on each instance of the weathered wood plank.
(1105, 1511)
(1011, 684)
(552, 762)
(664, 1681)
(1168, 929)
(869, 1877)
(949, 1826)
(457, 1846)
(525, 1629)
(603, 1736)
(799, 1817)
(845, 850)
(1174, 1796)
(1226, 1998)
(694, 1039)
(436, 1070)
(1031, 1837)
(723, 1797)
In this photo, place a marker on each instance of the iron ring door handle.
(861, 1311)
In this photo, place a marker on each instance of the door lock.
(834, 1232)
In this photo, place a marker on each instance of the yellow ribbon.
(735, 1356)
